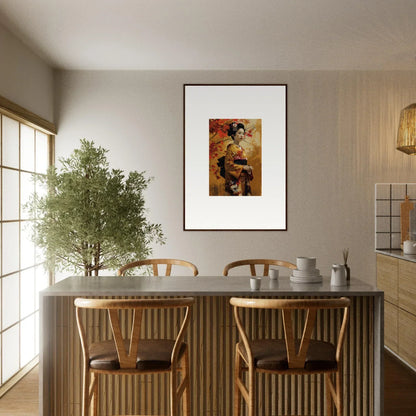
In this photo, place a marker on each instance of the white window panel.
(41, 189)
(27, 292)
(27, 247)
(10, 360)
(9, 300)
(27, 148)
(10, 194)
(42, 156)
(27, 188)
(27, 340)
(40, 255)
(10, 133)
(10, 247)
(37, 330)
(42, 282)
(24, 150)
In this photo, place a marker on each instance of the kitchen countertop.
(201, 286)
(398, 254)
(60, 359)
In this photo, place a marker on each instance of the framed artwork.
(235, 157)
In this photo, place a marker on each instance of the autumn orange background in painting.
(218, 142)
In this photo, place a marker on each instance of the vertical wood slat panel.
(212, 336)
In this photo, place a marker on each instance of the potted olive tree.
(92, 217)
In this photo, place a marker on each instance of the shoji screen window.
(25, 150)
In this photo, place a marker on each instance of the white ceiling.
(217, 34)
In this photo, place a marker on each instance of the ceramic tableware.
(274, 274)
(409, 247)
(305, 263)
(338, 275)
(255, 283)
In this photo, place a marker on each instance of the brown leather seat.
(128, 353)
(294, 354)
(271, 355)
(152, 355)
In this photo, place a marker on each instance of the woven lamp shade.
(406, 136)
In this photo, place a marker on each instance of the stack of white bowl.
(306, 271)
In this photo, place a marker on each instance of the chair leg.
(237, 376)
(251, 392)
(334, 393)
(339, 401)
(328, 384)
(85, 391)
(173, 395)
(187, 392)
(94, 382)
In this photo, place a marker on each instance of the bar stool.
(289, 355)
(253, 262)
(133, 355)
(156, 262)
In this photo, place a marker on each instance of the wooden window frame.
(26, 117)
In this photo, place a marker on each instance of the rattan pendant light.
(406, 135)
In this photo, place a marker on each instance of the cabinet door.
(391, 321)
(407, 286)
(407, 337)
(387, 277)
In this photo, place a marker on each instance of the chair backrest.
(127, 357)
(253, 262)
(296, 359)
(156, 262)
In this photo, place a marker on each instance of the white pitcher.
(409, 247)
(338, 275)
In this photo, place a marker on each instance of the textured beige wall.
(25, 78)
(341, 141)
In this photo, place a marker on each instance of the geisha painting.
(235, 157)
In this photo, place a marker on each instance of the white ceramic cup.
(409, 247)
(338, 275)
(255, 283)
(273, 284)
(306, 263)
(274, 274)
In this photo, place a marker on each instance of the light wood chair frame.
(155, 263)
(253, 262)
(296, 359)
(127, 359)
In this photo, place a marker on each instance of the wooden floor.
(399, 388)
(399, 392)
(23, 398)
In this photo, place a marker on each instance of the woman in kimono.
(238, 173)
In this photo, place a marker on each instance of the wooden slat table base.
(212, 336)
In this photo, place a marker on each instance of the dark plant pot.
(347, 268)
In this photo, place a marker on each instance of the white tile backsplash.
(389, 197)
(383, 240)
(383, 224)
(396, 240)
(395, 225)
(383, 208)
(395, 207)
(383, 191)
(411, 190)
(398, 191)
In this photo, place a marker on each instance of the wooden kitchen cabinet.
(407, 286)
(391, 326)
(397, 278)
(388, 277)
(407, 337)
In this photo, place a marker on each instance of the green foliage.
(92, 217)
